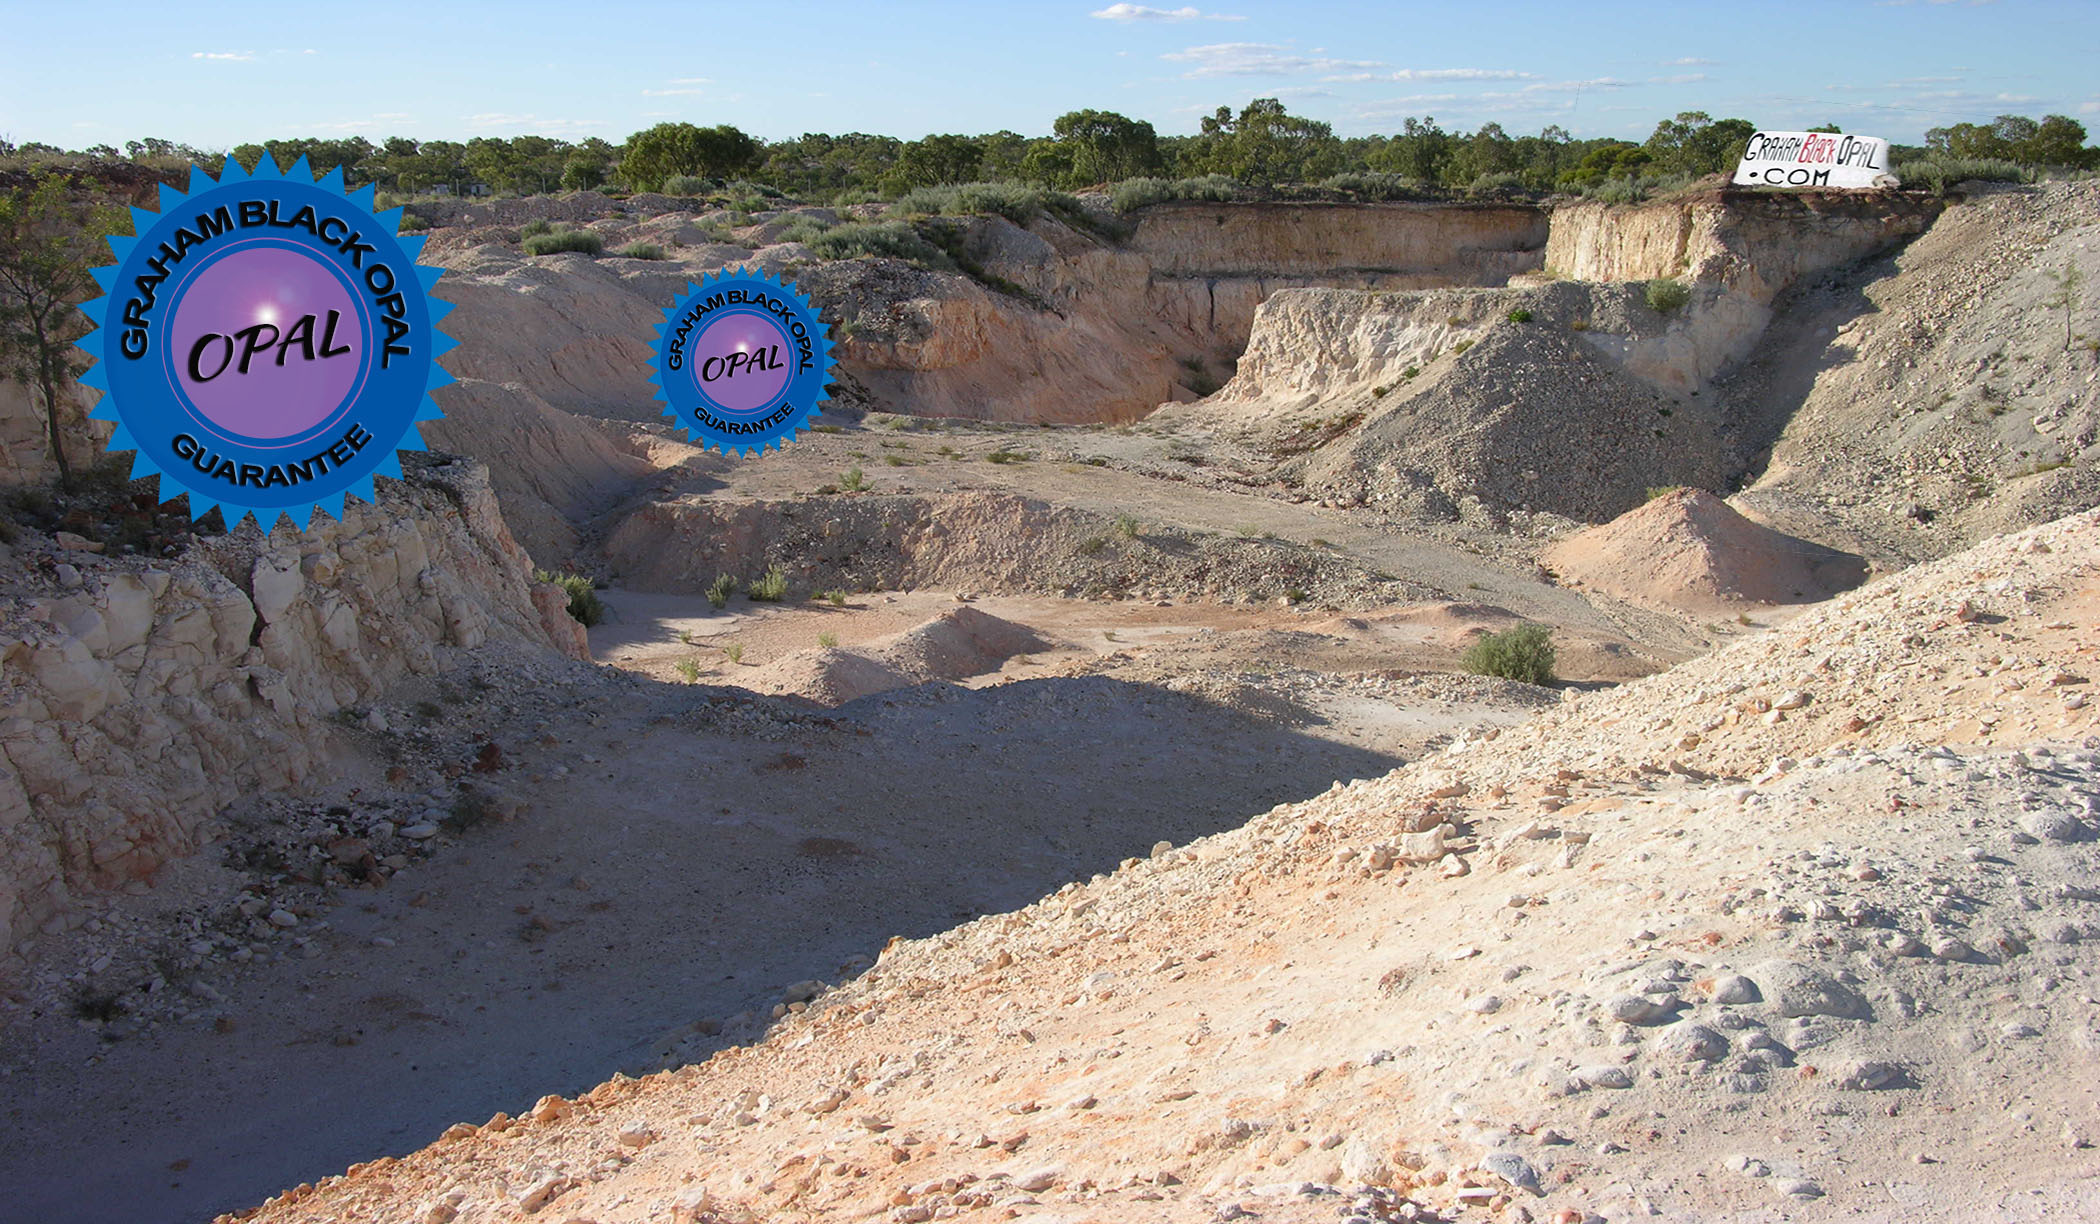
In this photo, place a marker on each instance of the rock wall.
(551, 470)
(1458, 243)
(25, 443)
(1750, 242)
(137, 697)
(1060, 325)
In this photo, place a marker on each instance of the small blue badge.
(267, 343)
(742, 361)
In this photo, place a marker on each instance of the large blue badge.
(742, 361)
(267, 343)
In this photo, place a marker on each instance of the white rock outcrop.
(137, 697)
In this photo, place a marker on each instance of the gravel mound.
(1689, 551)
(952, 646)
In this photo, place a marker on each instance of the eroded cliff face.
(1095, 332)
(1751, 242)
(25, 441)
(1455, 243)
(1060, 325)
(138, 697)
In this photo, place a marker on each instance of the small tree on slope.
(48, 241)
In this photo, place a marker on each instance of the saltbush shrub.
(640, 250)
(1017, 202)
(1524, 654)
(770, 587)
(1498, 186)
(686, 185)
(584, 604)
(889, 239)
(1937, 174)
(558, 241)
(1132, 194)
(1376, 185)
(1666, 295)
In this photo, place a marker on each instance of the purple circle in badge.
(267, 343)
(741, 361)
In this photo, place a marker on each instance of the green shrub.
(827, 640)
(583, 242)
(1374, 185)
(1497, 186)
(1937, 174)
(584, 604)
(1126, 525)
(1132, 194)
(836, 597)
(1519, 315)
(1666, 295)
(719, 591)
(1017, 202)
(640, 250)
(1628, 190)
(881, 239)
(1002, 455)
(770, 587)
(734, 652)
(1092, 544)
(686, 185)
(688, 669)
(533, 229)
(805, 230)
(1524, 654)
(1661, 491)
(413, 224)
(853, 480)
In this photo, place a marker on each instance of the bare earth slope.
(1801, 929)
(1943, 395)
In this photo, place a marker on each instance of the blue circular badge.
(742, 361)
(267, 343)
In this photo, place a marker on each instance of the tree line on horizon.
(1261, 145)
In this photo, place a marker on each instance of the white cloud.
(672, 93)
(395, 120)
(232, 57)
(1690, 61)
(1139, 12)
(531, 123)
(1682, 78)
(1576, 86)
(1257, 59)
(1461, 74)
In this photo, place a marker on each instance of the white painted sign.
(1814, 159)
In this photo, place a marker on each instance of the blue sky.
(82, 73)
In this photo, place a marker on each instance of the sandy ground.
(687, 852)
(1803, 930)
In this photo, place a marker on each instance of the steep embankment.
(1078, 328)
(1950, 392)
(1725, 943)
(142, 696)
(1571, 396)
(1105, 332)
